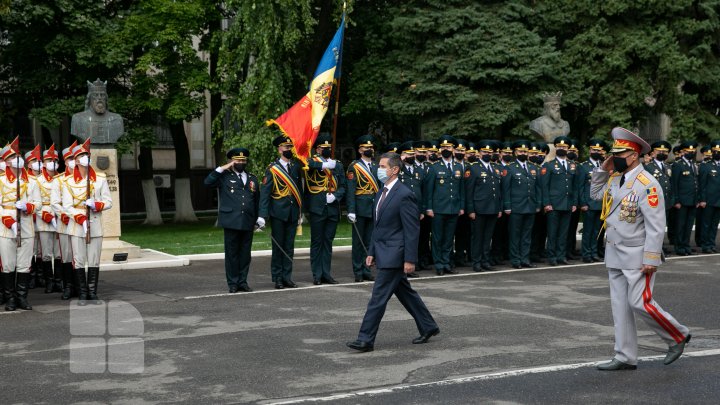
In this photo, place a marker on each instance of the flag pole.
(337, 94)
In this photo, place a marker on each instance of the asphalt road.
(506, 337)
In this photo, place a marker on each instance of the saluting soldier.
(84, 198)
(412, 176)
(661, 171)
(281, 200)
(685, 196)
(325, 181)
(572, 155)
(33, 165)
(47, 222)
(483, 204)
(590, 208)
(422, 164)
(238, 204)
(19, 203)
(461, 251)
(521, 201)
(709, 196)
(559, 200)
(500, 249)
(362, 185)
(634, 217)
(444, 202)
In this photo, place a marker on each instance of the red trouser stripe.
(655, 314)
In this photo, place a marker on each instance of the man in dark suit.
(238, 200)
(393, 248)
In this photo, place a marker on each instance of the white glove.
(53, 223)
(13, 229)
(300, 220)
(351, 218)
(21, 205)
(260, 222)
(330, 164)
(330, 198)
(85, 226)
(90, 202)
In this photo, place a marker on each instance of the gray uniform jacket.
(635, 226)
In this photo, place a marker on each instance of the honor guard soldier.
(238, 204)
(685, 193)
(47, 222)
(709, 196)
(412, 176)
(634, 215)
(590, 208)
(661, 171)
(362, 185)
(558, 199)
(325, 180)
(573, 154)
(63, 221)
(281, 201)
(444, 194)
(482, 205)
(521, 201)
(33, 165)
(85, 196)
(423, 164)
(19, 202)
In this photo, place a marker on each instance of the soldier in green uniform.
(471, 155)
(362, 185)
(422, 164)
(589, 207)
(444, 195)
(483, 204)
(238, 203)
(537, 155)
(705, 156)
(573, 155)
(281, 199)
(661, 171)
(709, 196)
(558, 199)
(412, 175)
(685, 196)
(325, 188)
(433, 153)
(461, 251)
(500, 250)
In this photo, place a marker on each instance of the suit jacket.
(237, 202)
(482, 190)
(684, 182)
(397, 228)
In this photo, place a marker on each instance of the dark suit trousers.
(500, 250)
(670, 216)
(238, 245)
(443, 231)
(684, 220)
(322, 233)
(710, 226)
(558, 223)
(699, 226)
(462, 239)
(521, 226)
(387, 283)
(284, 234)
(591, 230)
(361, 234)
(482, 232)
(572, 231)
(425, 256)
(539, 236)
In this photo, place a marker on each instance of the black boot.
(81, 283)
(48, 273)
(33, 272)
(68, 282)
(92, 280)
(58, 277)
(22, 291)
(8, 280)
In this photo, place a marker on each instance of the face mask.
(522, 158)
(35, 166)
(446, 153)
(410, 160)
(595, 156)
(507, 158)
(240, 167)
(326, 153)
(716, 155)
(459, 156)
(84, 160)
(690, 156)
(287, 154)
(369, 153)
(472, 159)
(70, 164)
(433, 157)
(561, 152)
(572, 155)
(17, 163)
(382, 175)
(661, 157)
(486, 158)
(620, 164)
(421, 158)
(52, 166)
(495, 157)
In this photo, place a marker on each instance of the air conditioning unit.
(162, 181)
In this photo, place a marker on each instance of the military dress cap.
(282, 140)
(715, 145)
(433, 146)
(67, 152)
(625, 140)
(33, 155)
(486, 145)
(422, 145)
(366, 141)
(534, 147)
(392, 147)
(688, 145)
(238, 154)
(7, 152)
(597, 144)
(573, 145)
(562, 140)
(544, 148)
(506, 147)
(661, 146)
(521, 145)
(323, 140)
(461, 144)
(705, 150)
(676, 149)
(407, 147)
(447, 140)
(471, 148)
(50, 153)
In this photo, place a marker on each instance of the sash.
(278, 172)
(369, 178)
(332, 183)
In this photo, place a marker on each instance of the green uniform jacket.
(238, 203)
(414, 182)
(285, 208)
(520, 189)
(558, 185)
(316, 200)
(709, 185)
(443, 190)
(663, 177)
(584, 179)
(360, 194)
(482, 190)
(684, 182)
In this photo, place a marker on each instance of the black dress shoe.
(368, 277)
(439, 272)
(552, 263)
(279, 285)
(616, 365)
(564, 262)
(316, 282)
(587, 260)
(597, 259)
(674, 352)
(329, 280)
(358, 279)
(517, 266)
(360, 346)
(289, 284)
(477, 269)
(245, 288)
(450, 271)
(233, 289)
(413, 275)
(426, 337)
(486, 267)
(528, 265)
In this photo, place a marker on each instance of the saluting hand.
(608, 165)
(227, 165)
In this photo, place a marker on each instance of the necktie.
(449, 168)
(411, 170)
(662, 167)
(622, 180)
(564, 166)
(382, 198)
(242, 182)
(524, 168)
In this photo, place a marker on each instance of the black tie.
(622, 180)
(382, 198)
(524, 168)
(449, 168)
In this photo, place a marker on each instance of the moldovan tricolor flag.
(301, 122)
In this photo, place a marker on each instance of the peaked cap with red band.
(67, 152)
(50, 153)
(84, 148)
(12, 149)
(626, 140)
(33, 154)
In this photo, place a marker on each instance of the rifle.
(17, 199)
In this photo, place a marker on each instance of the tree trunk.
(152, 208)
(184, 211)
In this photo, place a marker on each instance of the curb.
(254, 253)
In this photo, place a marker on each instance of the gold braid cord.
(278, 191)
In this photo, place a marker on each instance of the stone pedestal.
(104, 160)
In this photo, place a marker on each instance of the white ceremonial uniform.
(16, 258)
(635, 229)
(48, 242)
(62, 217)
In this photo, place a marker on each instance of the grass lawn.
(204, 237)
